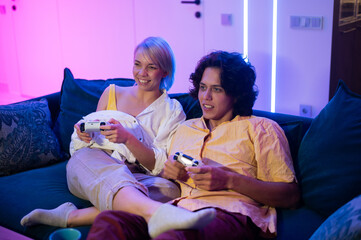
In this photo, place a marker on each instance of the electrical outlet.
(305, 110)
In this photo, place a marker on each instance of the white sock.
(57, 217)
(168, 217)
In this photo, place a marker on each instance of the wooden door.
(346, 47)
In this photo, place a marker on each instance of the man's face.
(216, 105)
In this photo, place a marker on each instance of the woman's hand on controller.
(115, 132)
(86, 137)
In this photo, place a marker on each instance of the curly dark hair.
(237, 79)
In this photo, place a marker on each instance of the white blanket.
(120, 151)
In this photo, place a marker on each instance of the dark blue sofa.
(46, 187)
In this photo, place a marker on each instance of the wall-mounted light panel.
(245, 29)
(274, 46)
(274, 56)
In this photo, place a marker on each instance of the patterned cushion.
(345, 223)
(26, 138)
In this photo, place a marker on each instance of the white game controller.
(186, 160)
(92, 126)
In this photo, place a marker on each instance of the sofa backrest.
(79, 97)
(294, 126)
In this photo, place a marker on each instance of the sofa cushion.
(345, 223)
(293, 132)
(191, 106)
(79, 97)
(26, 138)
(297, 224)
(329, 158)
(38, 188)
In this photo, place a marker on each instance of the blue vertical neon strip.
(245, 29)
(274, 57)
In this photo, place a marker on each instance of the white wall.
(303, 57)
(97, 37)
(223, 37)
(97, 41)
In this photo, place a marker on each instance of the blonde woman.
(140, 120)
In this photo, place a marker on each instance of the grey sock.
(168, 217)
(57, 217)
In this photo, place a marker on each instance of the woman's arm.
(174, 117)
(152, 158)
(142, 153)
(169, 118)
(103, 100)
(116, 133)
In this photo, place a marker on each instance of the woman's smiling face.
(147, 74)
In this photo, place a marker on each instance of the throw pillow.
(26, 138)
(79, 97)
(345, 223)
(329, 157)
(293, 132)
